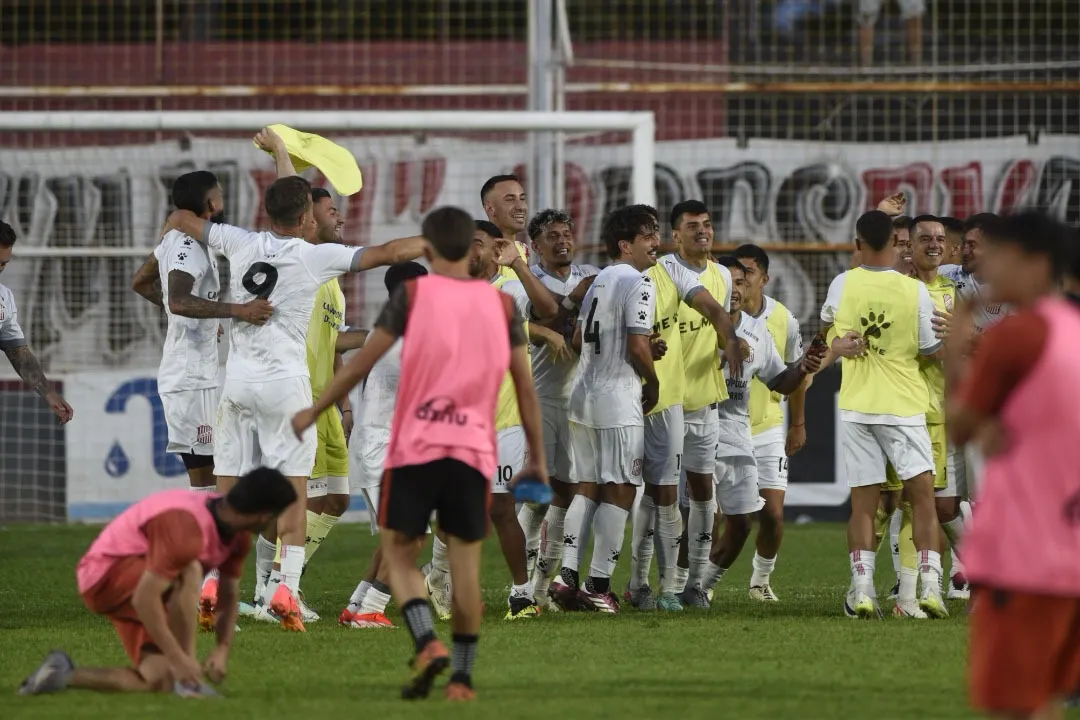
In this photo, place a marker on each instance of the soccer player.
(954, 240)
(182, 277)
(737, 491)
(144, 572)
(771, 448)
(13, 341)
(704, 324)
(1019, 397)
(613, 385)
(367, 605)
(970, 284)
(902, 241)
(507, 207)
(883, 401)
(553, 364)
(266, 377)
(459, 337)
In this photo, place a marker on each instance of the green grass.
(800, 658)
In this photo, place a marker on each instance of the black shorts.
(458, 493)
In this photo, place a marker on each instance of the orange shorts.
(111, 597)
(1024, 650)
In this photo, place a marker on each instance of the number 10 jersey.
(606, 390)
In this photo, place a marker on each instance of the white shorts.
(702, 428)
(956, 486)
(371, 498)
(556, 438)
(664, 434)
(870, 10)
(370, 450)
(866, 448)
(737, 486)
(771, 457)
(317, 488)
(254, 417)
(513, 454)
(609, 455)
(189, 417)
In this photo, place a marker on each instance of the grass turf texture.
(800, 658)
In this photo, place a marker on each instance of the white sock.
(713, 574)
(357, 597)
(375, 601)
(909, 580)
(202, 489)
(954, 531)
(551, 550)
(862, 571)
(272, 585)
(699, 534)
(668, 532)
(576, 526)
(610, 532)
(894, 538)
(525, 590)
(641, 543)
(930, 568)
(292, 564)
(531, 519)
(264, 565)
(682, 575)
(440, 562)
(763, 568)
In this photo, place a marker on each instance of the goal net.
(87, 194)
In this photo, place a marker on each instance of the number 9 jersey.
(606, 390)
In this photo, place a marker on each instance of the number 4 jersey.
(288, 272)
(606, 390)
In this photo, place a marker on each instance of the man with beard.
(507, 208)
(553, 364)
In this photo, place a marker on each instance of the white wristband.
(569, 304)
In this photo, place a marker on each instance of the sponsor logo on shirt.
(441, 410)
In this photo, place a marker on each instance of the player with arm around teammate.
(459, 335)
(737, 491)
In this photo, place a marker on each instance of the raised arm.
(147, 281)
(544, 306)
(183, 302)
(190, 224)
(269, 141)
(392, 253)
(706, 304)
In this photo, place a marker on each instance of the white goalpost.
(87, 192)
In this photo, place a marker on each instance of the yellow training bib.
(507, 414)
(765, 410)
(669, 369)
(327, 318)
(943, 292)
(705, 383)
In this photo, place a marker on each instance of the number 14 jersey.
(288, 272)
(606, 390)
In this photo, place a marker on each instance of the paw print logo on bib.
(873, 324)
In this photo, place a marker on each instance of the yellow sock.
(881, 524)
(318, 527)
(909, 558)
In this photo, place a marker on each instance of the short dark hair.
(450, 231)
(191, 190)
(687, 207)
(626, 224)
(318, 193)
(750, 251)
(544, 218)
(287, 199)
(489, 227)
(400, 272)
(981, 221)
(923, 218)
(491, 182)
(1037, 233)
(7, 235)
(875, 229)
(953, 225)
(263, 490)
(731, 262)
(901, 222)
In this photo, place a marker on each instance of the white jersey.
(761, 359)
(552, 377)
(11, 335)
(288, 273)
(516, 290)
(378, 395)
(968, 288)
(687, 278)
(189, 360)
(606, 390)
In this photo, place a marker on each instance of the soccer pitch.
(799, 659)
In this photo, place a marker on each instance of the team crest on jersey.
(948, 302)
(990, 309)
(204, 435)
(635, 471)
(3, 311)
(747, 350)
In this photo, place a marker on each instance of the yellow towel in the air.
(335, 162)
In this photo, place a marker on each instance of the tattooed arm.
(29, 369)
(183, 302)
(147, 281)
